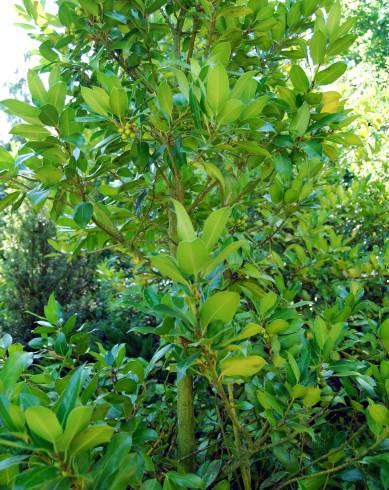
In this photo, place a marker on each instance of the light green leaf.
(312, 396)
(49, 174)
(97, 99)
(78, 419)
(255, 108)
(300, 121)
(214, 172)
(333, 21)
(217, 88)
(224, 254)
(249, 331)
(220, 53)
(165, 99)
(13, 367)
(317, 47)
(90, 438)
(20, 109)
(56, 96)
(245, 87)
(185, 228)
(214, 226)
(230, 111)
(182, 82)
(220, 306)
(299, 79)
(320, 332)
(277, 326)
(341, 45)
(44, 423)
(269, 402)
(192, 256)
(30, 131)
(242, 366)
(37, 89)
(167, 267)
(118, 101)
(267, 302)
(330, 74)
(379, 413)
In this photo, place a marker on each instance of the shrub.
(198, 139)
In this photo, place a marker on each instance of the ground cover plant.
(201, 141)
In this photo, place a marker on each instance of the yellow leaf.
(330, 102)
(242, 366)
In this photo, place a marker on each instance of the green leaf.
(379, 413)
(312, 396)
(330, 74)
(14, 366)
(52, 310)
(20, 109)
(277, 326)
(320, 332)
(78, 420)
(214, 172)
(49, 174)
(255, 108)
(267, 302)
(56, 96)
(220, 53)
(317, 47)
(49, 115)
(167, 267)
(37, 89)
(185, 480)
(269, 402)
(30, 131)
(165, 99)
(185, 228)
(214, 226)
(242, 366)
(83, 213)
(192, 256)
(118, 101)
(217, 88)
(300, 121)
(299, 79)
(33, 478)
(224, 254)
(97, 99)
(151, 485)
(230, 111)
(44, 423)
(245, 87)
(341, 45)
(333, 21)
(249, 331)
(220, 306)
(68, 398)
(90, 438)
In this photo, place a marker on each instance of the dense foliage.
(200, 141)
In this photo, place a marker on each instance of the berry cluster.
(263, 333)
(127, 130)
(241, 223)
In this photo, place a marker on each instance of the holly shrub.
(200, 139)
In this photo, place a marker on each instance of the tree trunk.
(186, 444)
